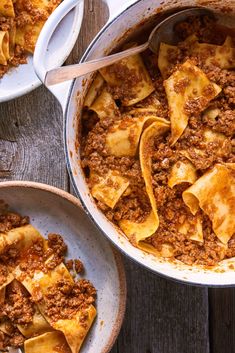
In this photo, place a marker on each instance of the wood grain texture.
(162, 316)
(222, 322)
(31, 145)
(96, 15)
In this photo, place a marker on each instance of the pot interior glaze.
(140, 15)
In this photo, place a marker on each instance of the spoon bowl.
(163, 32)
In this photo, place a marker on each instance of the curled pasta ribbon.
(139, 232)
(104, 106)
(182, 172)
(124, 137)
(94, 90)
(74, 331)
(4, 47)
(186, 88)
(214, 193)
(146, 147)
(185, 172)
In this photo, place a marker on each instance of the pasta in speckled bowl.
(62, 285)
(20, 24)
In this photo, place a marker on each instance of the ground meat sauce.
(63, 299)
(13, 338)
(36, 257)
(135, 205)
(18, 306)
(10, 220)
(75, 266)
(127, 77)
(3, 273)
(78, 265)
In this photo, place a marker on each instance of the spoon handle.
(70, 72)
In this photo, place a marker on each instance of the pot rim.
(185, 281)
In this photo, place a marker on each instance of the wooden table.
(162, 316)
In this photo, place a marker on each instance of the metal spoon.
(163, 32)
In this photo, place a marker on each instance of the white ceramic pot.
(21, 80)
(124, 16)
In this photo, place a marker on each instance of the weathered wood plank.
(31, 140)
(96, 15)
(222, 323)
(163, 316)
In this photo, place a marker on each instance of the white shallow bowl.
(22, 79)
(53, 210)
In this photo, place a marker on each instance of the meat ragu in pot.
(158, 145)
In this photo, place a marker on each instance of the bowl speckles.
(53, 210)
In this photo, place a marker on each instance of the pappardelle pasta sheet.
(138, 233)
(132, 68)
(7, 8)
(186, 88)
(214, 193)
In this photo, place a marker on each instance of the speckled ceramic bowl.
(53, 210)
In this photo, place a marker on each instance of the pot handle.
(71, 13)
(117, 6)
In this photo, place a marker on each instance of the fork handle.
(72, 71)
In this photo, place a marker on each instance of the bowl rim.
(117, 255)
